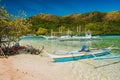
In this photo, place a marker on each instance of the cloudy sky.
(59, 7)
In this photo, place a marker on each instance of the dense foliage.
(96, 22)
(11, 28)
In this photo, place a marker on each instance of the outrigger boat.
(77, 55)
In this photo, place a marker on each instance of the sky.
(59, 7)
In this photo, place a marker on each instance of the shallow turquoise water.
(53, 45)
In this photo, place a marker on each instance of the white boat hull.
(78, 55)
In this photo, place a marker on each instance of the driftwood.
(5, 52)
(33, 50)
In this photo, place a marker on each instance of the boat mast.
(79, 30)
(68, 32)
(60, 31)
(51, 32)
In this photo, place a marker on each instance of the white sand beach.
(36, 67)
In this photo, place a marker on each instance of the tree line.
(96, 22)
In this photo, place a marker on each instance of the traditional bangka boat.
(78, 38)
(77, 55)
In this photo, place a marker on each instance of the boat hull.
(73, 57)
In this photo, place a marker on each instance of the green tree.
(62, 29)
(4, 23)
(13, 28)
(41, 31)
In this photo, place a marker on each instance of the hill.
(96, 22)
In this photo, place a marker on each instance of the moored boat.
(79, 38)
(77, 55)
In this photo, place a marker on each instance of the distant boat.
(68, 37)
(86, 37)
(52, 36)
(77, 55)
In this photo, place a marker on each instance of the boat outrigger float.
(77, 55)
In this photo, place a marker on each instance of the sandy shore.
(35, 67)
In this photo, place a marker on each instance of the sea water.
(57, 45)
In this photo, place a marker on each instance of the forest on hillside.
(96, 22)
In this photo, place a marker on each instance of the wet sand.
(37, 67)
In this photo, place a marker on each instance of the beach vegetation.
(11, 28)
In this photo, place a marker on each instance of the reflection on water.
(53, 45)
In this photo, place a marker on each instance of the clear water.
(53, 45)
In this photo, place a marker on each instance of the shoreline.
(25, 66)
(35, 67)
